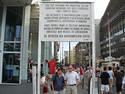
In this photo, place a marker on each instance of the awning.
(16, 2)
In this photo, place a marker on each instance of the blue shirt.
(58, 82)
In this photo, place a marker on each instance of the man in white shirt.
(72, 80)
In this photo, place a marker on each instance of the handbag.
(45, 89)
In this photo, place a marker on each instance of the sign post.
(66, 21)
(93, 52)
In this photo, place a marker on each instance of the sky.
(100, 6)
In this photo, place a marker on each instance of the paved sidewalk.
(25, 88)
(82, 91)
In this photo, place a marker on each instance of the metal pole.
(93, 50)
(53, 54)
(39, 55)
(39, 66)
(109, 34)
(69, 51)
(89, 53)
(62, 52)
(82, 57)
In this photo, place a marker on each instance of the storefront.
(18, 38)
(14, 37)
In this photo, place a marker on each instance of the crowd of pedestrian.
(65, 80)
(112, 80)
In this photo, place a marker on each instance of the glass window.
(13, 24)
(12, 45)
(11, 68)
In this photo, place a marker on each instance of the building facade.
(46, 47)
(112, 30)
(19, 23)
(82, 53)
(14, 38)
(72, 56)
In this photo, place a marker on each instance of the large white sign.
(65, 21)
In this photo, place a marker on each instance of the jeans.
(58, 92)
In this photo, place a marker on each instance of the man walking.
(105, 81)
(58, 82)
(72, 80)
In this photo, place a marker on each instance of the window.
(11, 69)
(12, 45)
(13, 24)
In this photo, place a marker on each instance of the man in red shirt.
(52, 66)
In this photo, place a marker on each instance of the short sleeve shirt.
(72, 77)
(105, 78)
(110, 74)
(58, 82)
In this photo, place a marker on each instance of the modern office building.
(69, 56)
(72, 56)
(14, 39)
(82, 52)
(112, 30)
(19, 42)
(66, 55)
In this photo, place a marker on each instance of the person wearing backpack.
(58, 82)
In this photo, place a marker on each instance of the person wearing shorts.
(104, 81)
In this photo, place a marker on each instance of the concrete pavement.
(25, 88)
(82, 91)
